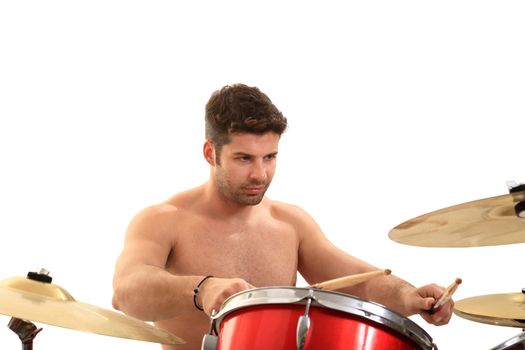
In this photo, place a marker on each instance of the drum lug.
(303, 325)
(209, 342)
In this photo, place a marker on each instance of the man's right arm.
(143, 288)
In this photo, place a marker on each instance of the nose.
(258, 171)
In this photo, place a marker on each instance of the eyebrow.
(251, 155)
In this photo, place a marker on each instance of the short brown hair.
(241, 109)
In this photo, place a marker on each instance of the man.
(227, 228)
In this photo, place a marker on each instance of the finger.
(442, 315)
(215, 306)
(428, 303)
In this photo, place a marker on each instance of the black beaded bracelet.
(196, 291)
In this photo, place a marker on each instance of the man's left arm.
(320, 260)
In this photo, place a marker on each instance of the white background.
(396, 109)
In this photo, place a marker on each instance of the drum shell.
(269, 320)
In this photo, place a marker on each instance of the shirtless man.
(227, 228)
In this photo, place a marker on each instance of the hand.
(426, 297)
(216, 290)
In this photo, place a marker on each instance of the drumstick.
(347, 281)
(447, 294)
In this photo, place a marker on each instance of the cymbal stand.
(518, 194)
(26, 331)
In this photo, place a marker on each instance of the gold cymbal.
(48, 303)
(496, 309)
(485, 222)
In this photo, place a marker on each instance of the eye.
(243, 158)
(271, 157)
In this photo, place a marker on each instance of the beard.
(235, 193)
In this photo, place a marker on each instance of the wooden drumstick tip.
(447, 294)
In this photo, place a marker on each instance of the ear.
(209, 152)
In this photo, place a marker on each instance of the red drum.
(289, 318)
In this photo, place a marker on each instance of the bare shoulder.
(160, 221)
(155, 214)
(290, 213)
(168, 210)
(160, 211)
(152, 222)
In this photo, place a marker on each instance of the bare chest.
(264, 254)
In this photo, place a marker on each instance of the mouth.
(253, 190)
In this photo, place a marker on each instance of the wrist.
(196, 293)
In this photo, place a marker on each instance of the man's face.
(246, 167)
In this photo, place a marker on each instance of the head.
(237, 109)
(243, 128)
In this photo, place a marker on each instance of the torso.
(263, 250)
